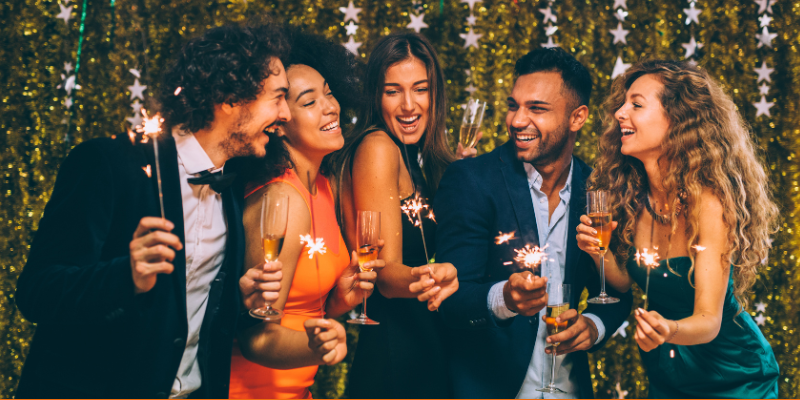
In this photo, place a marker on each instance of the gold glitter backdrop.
(144, 34)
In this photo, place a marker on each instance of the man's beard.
(238, 143)
(547, 151)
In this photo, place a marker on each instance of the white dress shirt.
(553, 231)
(205, 230)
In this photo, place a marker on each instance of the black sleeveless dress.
(403, 357)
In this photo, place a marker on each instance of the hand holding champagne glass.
(599, 212)
(274, 218)
(557, 304)
(471, 123)
(368, 232)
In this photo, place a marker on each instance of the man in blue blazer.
(533, 187)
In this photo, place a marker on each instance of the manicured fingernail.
(636, 312)
(641, 310)
(594, 232)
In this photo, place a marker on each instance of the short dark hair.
(226, 65)
(575, 75)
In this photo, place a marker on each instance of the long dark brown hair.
(434, 148)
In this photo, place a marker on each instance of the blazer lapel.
(577, 206)
(519, 192)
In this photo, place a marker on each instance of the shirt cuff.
(497, 304)
(601, 329)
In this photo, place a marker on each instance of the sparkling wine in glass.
(471, 123)
(368, 231)
(557, 304)
(600, 213)
(274, 218)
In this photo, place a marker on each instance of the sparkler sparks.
(698, 247)
(132, 136)
(148, 171)
(530, 257)
(504, 237)
(650, 261)
(178, 90)
(151, 127)
(314, 245)
(413, 208)
(431, 216)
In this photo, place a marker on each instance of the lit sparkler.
(650, 261)
(505, 237)
(430, 216)
(318, 244)
(314, 245)
(151, 126)
(414, 206)
(530, 257)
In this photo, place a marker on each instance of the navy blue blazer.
(476, 200)
(94, 337)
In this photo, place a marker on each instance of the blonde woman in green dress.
(682, 172)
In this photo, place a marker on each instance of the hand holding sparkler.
(436, 282)
(525, 293)
(653, 330)
(152, 251)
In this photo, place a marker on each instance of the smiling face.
(642, 119)
(406, 100)
(314, 129)
(538, 119)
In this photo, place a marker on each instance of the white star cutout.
(471, 3)
(352, 45)
(621, 14)
(761, 319)
(761, 307)
(764, 5)
(763, 72)
(763, 89)
(550, 30)
(619, 34)
(691, 47)
(68, 84)
(351, 28)
(68, 67)
(619, 3)
(471, 20)
(548, 15)
(65, 13)
(763, 107)
(550, 44)
(137, 90)
(621, 331)
(764, 20)
(619, 68)
(68, 102)
(620, 393)
(765, 38)
(417, 22)
(350, 12)
(135, 120)
(692, 14)
(470, 38)
(471, 89)
(136, 106)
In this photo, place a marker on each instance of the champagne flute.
(600, 214)
(368, 231)
(557, 304)
(274, 218)
(471, 123)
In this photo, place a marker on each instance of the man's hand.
(580, 334)
(353, 285)
(261, 284)
(152, 251)
(525, 293)
(327, 339)
(436, 283)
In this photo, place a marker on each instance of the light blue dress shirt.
(553, 231)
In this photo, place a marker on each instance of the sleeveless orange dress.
(250, 380)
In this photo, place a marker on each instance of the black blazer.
(94, 338)
(477, 199)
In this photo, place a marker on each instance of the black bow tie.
(216, 180)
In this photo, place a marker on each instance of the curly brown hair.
(708, 146)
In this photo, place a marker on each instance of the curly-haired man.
(130, 304)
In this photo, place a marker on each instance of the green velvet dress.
(738, 363)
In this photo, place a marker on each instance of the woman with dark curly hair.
(276, 359)
(682, 173)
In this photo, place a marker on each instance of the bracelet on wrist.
(677, 327)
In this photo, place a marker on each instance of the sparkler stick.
(413, 207)
(650, 261)
(152, 127)
(317, 240)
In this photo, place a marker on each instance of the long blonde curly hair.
(708, 146)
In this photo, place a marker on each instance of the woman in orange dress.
(280, 360)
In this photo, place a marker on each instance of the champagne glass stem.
(603, 275)
(553, 368)
(364, 307)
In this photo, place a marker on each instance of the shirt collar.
(191, 155)
(535, 180)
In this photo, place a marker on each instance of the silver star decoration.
(764, 20)
(65, 13)
(68, 84)
(135, 72)
(137, 90)
(619, 68)
(548, 15)
(619, 3)
(621, 14)
(692, 14)
(761, 319)
(764, 5)
(135, 120)
(471, 3)
(550, 44)
(691, 47)
(621, 331)
(620, 393)
(68, 67)
(68, 102)
(763, 89)
(417, 22)
(761, 307)
(351, 28)
(136, 106)
(765, 38)
(763, 107)
(763, 72)
(550, 30)
(471, 38)
(350, 12)
(352, 45)
(471, 20)
(471, 89)
(619, 34)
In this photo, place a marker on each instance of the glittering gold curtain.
(146, 34)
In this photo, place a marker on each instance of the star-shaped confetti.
(548, 15)
(763, 72)
(620, 34)
(763, 89)
(763, 107)
(764, 5)
(417, 22)
(761, 319)
(315, 245)
(137, 90)
(352, 45)
(550, 44)
(550, 30)
(691, 47)
(761, 307)
(65, 14)
(621, 14)
(470, 38)
(620, 393)
(692, 14)
(471, 20)
(621, 330)
(619, 68)
(765, 37)
(764, 20)
(351, 28)
(619, 3)
(471, 89)
(350, 12)
(471, 3)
